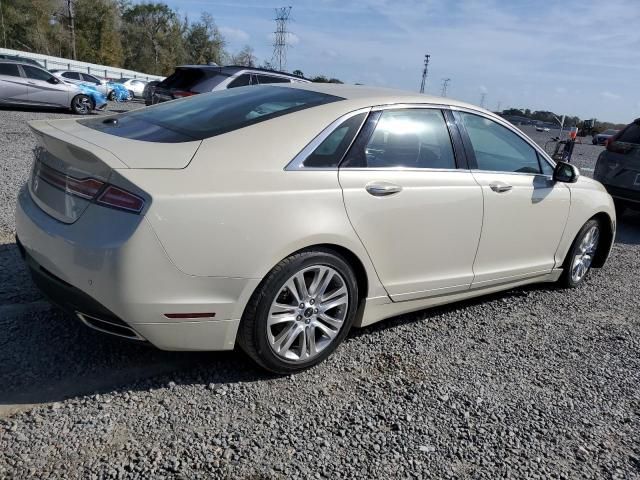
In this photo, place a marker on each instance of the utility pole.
(424, 72)
(483, 97)
(445, 85)
(4, 32)
(280, 38)
(72, 29)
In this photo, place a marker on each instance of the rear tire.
(289, 326)
(112, 96)
(581, 254)
(81, 105)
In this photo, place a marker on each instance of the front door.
(417, 214)
(13, 87)
(525, 212)
(43, 91)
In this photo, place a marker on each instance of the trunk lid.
(71, 157)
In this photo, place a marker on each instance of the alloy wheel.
(307, 313)
(584, 255)
(82, 105)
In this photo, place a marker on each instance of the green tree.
(97, 32)
(154, 41)
(203, 41)
(298, 73)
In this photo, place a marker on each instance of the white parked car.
(72, 76)
(133, 85)
(278, 217)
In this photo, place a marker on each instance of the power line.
(424, 73)
(280, 38)
(445, 85)
(483, 97)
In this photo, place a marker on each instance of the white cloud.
(234, 34)
(610, 96)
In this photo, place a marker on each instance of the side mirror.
(565, 172)
(53, 80)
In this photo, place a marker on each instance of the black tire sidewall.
(568, 281)
(271, 287)
(73, 106)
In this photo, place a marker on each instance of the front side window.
(498, 149)
(407, 138)
(90, 78)
(36, 73)
(203, 116)
(332, 149)
(10, 69)
(631, 134)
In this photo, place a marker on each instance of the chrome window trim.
(297, 164)
(410, 106)
(519, 133)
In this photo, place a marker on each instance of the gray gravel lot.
(532, 383)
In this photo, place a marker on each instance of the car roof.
(361, 96)
(21, 62)
(236, 68)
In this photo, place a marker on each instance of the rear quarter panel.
(235, 212)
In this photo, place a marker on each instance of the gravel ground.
(532, 383)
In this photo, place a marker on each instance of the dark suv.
(618, 167)
(190, 80)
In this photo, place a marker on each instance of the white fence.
(51, 63)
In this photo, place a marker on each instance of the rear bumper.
(110, 268)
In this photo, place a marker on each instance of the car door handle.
(383, 189)
(500, 187)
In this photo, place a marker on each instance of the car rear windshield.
(207, 115)
(631, 134)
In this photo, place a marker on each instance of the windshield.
(610, 132)
(208, 115)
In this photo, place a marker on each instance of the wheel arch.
(609, 228)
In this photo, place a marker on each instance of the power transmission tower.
(483, 97)
(72, 29)
(280, 38)
(445, 85)
(424, 72)
(498, 106)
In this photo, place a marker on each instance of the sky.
(572, 57)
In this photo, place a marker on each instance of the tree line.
(148, 37)
(550, 117)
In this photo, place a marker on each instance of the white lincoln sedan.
(278, 217)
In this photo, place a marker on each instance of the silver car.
(28, 85)
(71, 76)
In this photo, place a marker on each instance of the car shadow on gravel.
(628, 232)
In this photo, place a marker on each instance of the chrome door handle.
(383, 189)
(500, 187)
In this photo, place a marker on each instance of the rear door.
(413, 203)
(13, 87)
(525, 211)
(42, 91)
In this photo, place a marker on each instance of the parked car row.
(24, 82)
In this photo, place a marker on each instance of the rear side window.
(269, 79)
(183, 78)
(71, 75)
(36, 73)
(332, 149)
(203, 116)
(406, 138)
(9, 69)
(242, 81)
(631, 134)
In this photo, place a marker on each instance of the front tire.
(301, 312)
(81, 105)
(580, 257)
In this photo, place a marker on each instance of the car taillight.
(90, 189)
(182, 93)
(118, 198)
